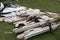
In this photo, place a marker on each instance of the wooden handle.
(8, 32)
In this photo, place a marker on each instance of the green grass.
(47, 5)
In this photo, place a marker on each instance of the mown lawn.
(47, 5)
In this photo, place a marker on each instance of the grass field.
(47, 5)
